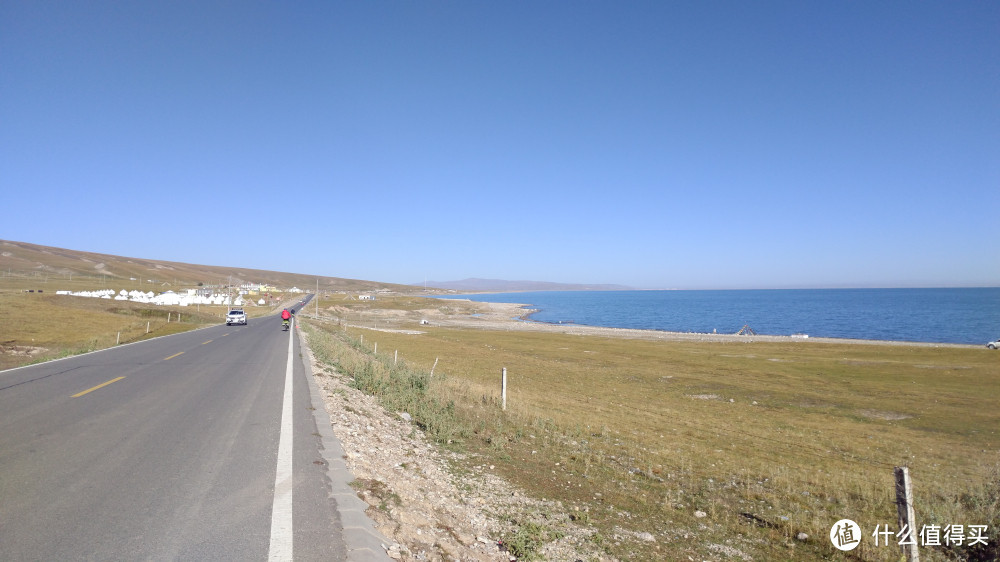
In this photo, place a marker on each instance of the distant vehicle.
(993, 344)
(236, 316)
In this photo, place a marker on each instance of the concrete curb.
(364, 543)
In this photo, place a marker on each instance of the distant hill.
(23, 263)
(504, 286)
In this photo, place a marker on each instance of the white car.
(995, 344)
(236, 316)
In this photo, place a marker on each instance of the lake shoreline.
(517, 316)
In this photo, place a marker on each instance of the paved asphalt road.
(169, 449)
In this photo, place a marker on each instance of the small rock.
(484, 540)
(700, 514)
(648, 537)
(406, 416)
(802, 537)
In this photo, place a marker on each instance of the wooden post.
(395, 357)
(503, 388)
(904, 509)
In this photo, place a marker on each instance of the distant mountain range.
(505, 286)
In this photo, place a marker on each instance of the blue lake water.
(961, 315)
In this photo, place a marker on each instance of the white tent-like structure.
(168, 298)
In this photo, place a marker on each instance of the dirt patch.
(887, 416)
(21, 350)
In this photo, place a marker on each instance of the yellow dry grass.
(41, 326)
(768, 440)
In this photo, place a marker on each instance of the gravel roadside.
(422, 500)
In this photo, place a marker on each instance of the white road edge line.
(281, 510)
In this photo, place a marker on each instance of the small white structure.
(167, 298)
(366, 297)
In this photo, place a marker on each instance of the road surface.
(199, 446)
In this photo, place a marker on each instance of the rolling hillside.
(24, 265)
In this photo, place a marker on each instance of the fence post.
(376, 348)
(147, 326)
(503, 388)
(395, 357)
(118, 339)
(904, 509)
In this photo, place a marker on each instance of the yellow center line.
(209, 341)
(172, 356)
(102, 385)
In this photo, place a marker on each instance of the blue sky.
(651, 144)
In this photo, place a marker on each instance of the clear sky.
(652, 144)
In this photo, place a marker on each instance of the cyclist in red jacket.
(285, 318)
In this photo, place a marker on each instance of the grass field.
(42, 326)
(719, 450)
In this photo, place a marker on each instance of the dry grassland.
(719, 449)
(42, 326)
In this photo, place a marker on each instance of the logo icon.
(845, 535)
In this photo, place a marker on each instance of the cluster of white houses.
(204, 295)
(187, 298)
